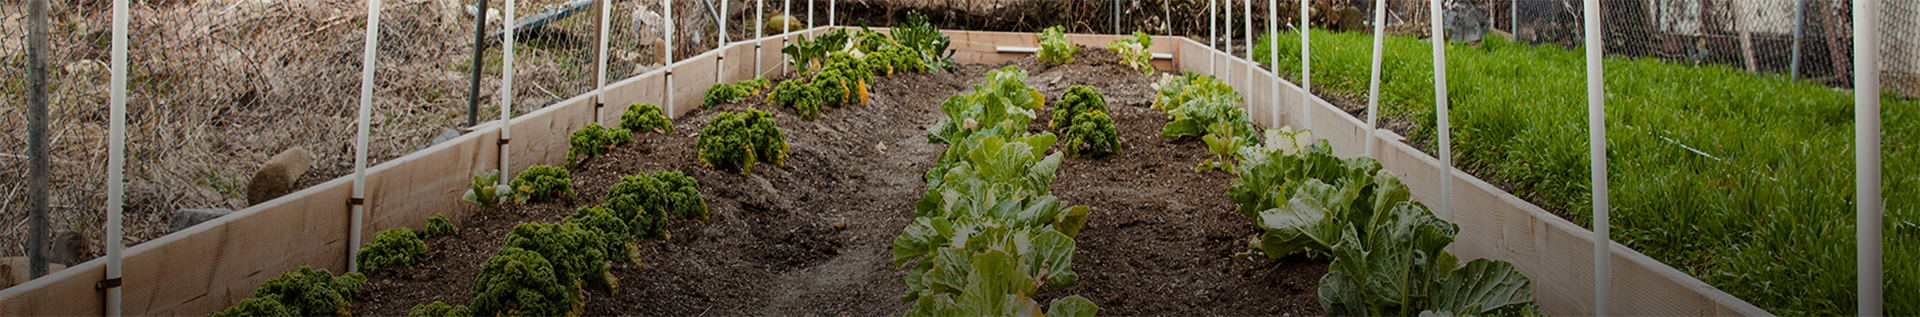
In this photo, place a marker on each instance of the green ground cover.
(1742, 180)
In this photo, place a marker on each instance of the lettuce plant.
(1174, 91)
(1133, 52)
(1054, 47)
(522, 282)
(487, 191)
(646, 117)
(439, 309)
(541, 183)
(438, 226)
(1002, 106)
(738, 139)
(302, 292)
(594, 140)
(397, 246)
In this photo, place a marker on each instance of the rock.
(276, 177)
(13, 271)
(67, 247)
(188, 217)
(446, 134)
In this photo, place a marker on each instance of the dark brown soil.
(1158, 243)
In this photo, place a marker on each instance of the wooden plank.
(404, 192)
(73, 285)
(691, 78)
(739, 62)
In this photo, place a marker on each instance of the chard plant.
(1054, 47)
(541, 183)
(806, 54)
(646, 117)
(594, 140)
(928, 44)
(487, 191)
(438, 226)
(1133, 52)
(738, 139)
(397, 246)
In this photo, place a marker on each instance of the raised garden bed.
(813, 237)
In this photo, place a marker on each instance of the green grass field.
(1742, 180)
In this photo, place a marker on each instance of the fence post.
(1440, 108)
(1866, 159)
(1799, 24)
(1306, 68)
(37, 170)
(1373, 86)
(506, 91)
(1597, 153)
(478, 66)
(1213, 33)
(759, 20)
(116, 156)
(368, 58)
(1273, 58)
(600, 89)
(669, 65)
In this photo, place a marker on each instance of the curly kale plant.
(521, 282)
(1054, 47)
(1094, 131)
(805, 99)
(1133, 52)
(302, 292)
(439, 309)
(616, 238)
(487, 191)
(541, 183)
(397, 246)
(729, 93)
(574, 251)
(896, 59)
(1077, 100)
(645, 117)
(645, 201)
(594, 140)
(738, 139)
(438, 226)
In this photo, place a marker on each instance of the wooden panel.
(73, 287)
(772, 62)
(214, 265)
(1192, 57)
(691, 78)
(739, 62)
(405, 191)
(1260, 102)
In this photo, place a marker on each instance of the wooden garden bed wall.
(1556, 254)
(218, 263)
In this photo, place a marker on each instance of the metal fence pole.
(1597, 153)
(479, 61)
(368, 58)
(116, 154)
(1799, 24)
(37, 173)
(1866, 159)
(1373, 86)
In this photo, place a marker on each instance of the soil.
(814, 237)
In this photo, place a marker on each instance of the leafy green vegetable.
(1204, 106)
(1133, 52)
(645, 117)
(397, 246)
(301, 292)
(616, 238)
(439, 309)
(1094, 131)
(645, 201)
(1002, 106)
(487, 191)
(1077, 100)
(805, 54)
(738, 139)
(521, 282)
(805, 99)
(438, 226)
(1054, 47)
(573, 250)
(594, 140)
(722, 93)
(927, 41)
(542, 183)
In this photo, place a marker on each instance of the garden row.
(1741, 180)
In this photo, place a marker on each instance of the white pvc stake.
(830, 16)
(1373, 88)
(1213, 33)
(1247, 11)
(1440, 104)
(1273, 58)
(1866, 156)
(116, 152)
(1306, 70)
(367, 58)
(1597, 153)
(669, 82)
(786, 28)
(720, 61)
(600, 89)
(1226, 26)
(506, 90)
(810, 14)
(759, 18)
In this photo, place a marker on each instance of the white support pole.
(367, 60)
(786, 8)
(1597, 154)
(600, 88)
(506, 90)
(1306, 68)
(1226, 26)
(720, 62)
(669, 82)
(830, 16)
(1866, 156)
(1213, 32)
(810, 14)
(1273, 58)
(1440, 108)
(1247, 15)
(116, 153)
(759, 20)
(1373, 86)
